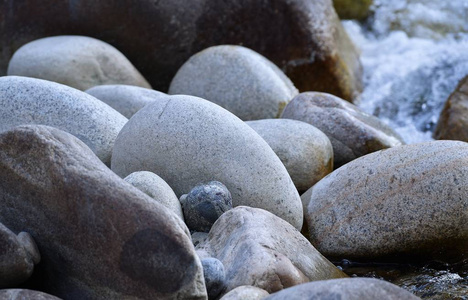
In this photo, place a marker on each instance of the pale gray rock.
(23, 294)
(246, 292)
(215, 276)
(77, 61)
(187, 140)
(352, 132)
(405, 201)
(236, 78)
(26, 100)
(155, 187)
(344, 289)
(305, 151)
(259, 249)
(126, 99)
(99, 237)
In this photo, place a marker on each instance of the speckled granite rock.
(246, 292)
(22, 294)
(77, 61)
(405, 201)
(33, 101)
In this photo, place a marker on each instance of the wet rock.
(259, 249)
(246, 292)
(345, 289)
(302, 37)
(187, 140)
(155, 187)
(453, 120)
(352, 132)
(204, 204)
(33, 101)
(405, 202)
(215, 276)
(77, 61)
(99, 237)
(126, 99)
(23, 294)
(236, 78)
(352, 9)
(305, 151)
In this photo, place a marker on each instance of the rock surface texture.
(406, 201)
(99, 237)
(22, 294)
(77, 61)
(187, 140)
(246, 292)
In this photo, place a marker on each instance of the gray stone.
(204, 204)
(305, 151)
(259, 249)
(155, 187)
(126, 99)
(344, 289)
(77, 61)
(352, 132)
(33, 101)
(187, 140)
(406, 201)
(199, 237)
(236, 78)
(99, 237)
(23, 294)
(215, 276)
(246, 292)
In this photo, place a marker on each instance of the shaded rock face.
(453, 120)
(304, 38)
(259, 249)
(246, 292)
(99, 237)
(26, 100)
(352, 9)
(406, 201)
(187, 140)
(352, 132)
(22, 294)
(344, 289)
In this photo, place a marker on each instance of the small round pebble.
(213, 271)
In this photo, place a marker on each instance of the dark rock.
(22, 294)
(215, 276)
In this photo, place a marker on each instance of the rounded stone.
(23, 294)
(215, 276)
(352, 132)
(305, 151)
(26, 100)
(30, 246)
(77, 61)
(155, 187)
(246, 292)
(187, 140)
(126, 99)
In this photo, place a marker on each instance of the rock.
(18, 255)
(199, 237)
(352, 132)
(126, 99)
(344, 289)
(187, 140)
(246, 292)
(305, 151)
(33, 101)
(204, 204)
(236, 78)
(155, 187)
(352, 9)
(77, 61)
(22, 294)
(99, 237)
(408, 201)
(304, 38)
(453, 120)
(259, 249)
(215, 277)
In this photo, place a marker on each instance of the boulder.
(305, 151)
(99, 237)
(259, 249)
(77, 61)
(126, 99)
(245, 292)
(187, 140)
(352, 9)
(408, 202)
(453, 120)
(33, 101)
(23, 294)
(238, 79)
(352, 132)
(304, 38)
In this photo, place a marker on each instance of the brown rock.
(22, 294)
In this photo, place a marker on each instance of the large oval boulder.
(77, 61)
(99, 237)
(405, 202)
(187, 140)
(26, 100)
